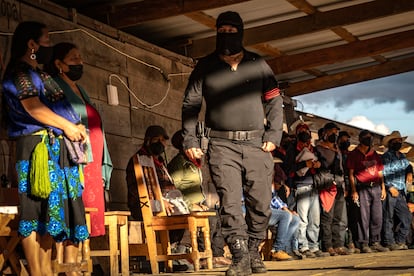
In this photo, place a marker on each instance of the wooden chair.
(157, 248)
(10, 261)
(117, 241)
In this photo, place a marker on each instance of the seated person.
(154, 145)
(187, 176)
(284, 246)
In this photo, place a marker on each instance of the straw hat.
(394, 135)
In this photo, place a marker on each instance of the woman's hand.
(169, 207)
(75, 132)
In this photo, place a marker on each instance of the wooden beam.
(349, 77)
(344, 34)
(315, 72)
(267, 49)
(304, 6)
(132, 14)
(202, 18)
(311, 23)
(357, 49)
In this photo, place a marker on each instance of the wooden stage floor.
(387, 263)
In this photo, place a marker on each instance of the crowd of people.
(346, 201)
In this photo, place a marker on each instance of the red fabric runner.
(93, 194)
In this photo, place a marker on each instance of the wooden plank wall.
(124, 124)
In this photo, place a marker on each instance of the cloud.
(384, 90)
(364, 123)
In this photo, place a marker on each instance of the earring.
(60, 71)
(33, 55)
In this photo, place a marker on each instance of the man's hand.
(193, 154)
(287, 190)
(384, 193)
(355, 196)
(409, 178)
(394, 192)
(268, 146)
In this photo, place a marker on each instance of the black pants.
(333, 223)
(237, 170)
(354, 216)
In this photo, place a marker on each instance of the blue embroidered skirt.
(62, 215)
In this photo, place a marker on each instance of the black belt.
(369, 184)
(237, 135)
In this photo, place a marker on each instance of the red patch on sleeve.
(271, 94)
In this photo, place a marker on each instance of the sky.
(380, 105)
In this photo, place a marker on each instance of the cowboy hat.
(394, 135)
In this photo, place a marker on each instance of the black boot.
(256, 262)
(240, 265)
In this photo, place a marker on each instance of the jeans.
(287, 225)
(396, 207)
(307, 202)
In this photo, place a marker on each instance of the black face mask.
(344, 145)
(44, 54)
(304, 137)
(396, 146)
(366, 141)
(156, 148)
(331, 138)
(75, 72)
(229, 43)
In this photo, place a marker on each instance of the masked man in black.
(244, 112)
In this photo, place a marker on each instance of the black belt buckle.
(236, 135)
(240, 135)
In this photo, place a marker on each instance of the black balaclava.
(229, 43)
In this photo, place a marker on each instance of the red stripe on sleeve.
(271, 94)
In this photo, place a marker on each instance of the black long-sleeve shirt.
(235, 100)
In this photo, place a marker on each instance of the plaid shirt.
(394, 172)
(277, 203)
